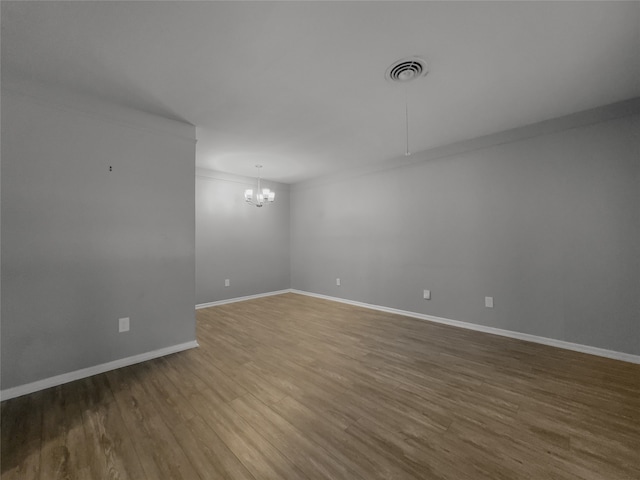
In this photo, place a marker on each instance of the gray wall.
(549, 226)
(234, 240)
(82, 246)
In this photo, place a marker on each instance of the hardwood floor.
(294, 387)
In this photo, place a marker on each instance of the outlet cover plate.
(488, 302)
(123, 324)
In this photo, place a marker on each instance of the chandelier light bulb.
(263, 196)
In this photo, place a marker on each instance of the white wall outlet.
(488, 302)
(123, 324)
(426, 294)
(337, 281)
(227, 282)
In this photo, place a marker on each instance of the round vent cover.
(407, 69)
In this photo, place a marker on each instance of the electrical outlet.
(123, 324)
(227, 282)
(337, 281)
(426, 294)
(488, 302)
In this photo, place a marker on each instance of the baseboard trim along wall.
(125, 362)
(241, 299)
(601, 352)
(90, 371)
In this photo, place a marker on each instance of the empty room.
(309, 240)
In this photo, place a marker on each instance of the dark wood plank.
(21, 434)
(160, 454)
(210, 457)
(55, 459)
(110, 447)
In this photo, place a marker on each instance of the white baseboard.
(241, 299)
(90, 371)
(601, 352)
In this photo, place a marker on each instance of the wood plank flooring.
(294, 387)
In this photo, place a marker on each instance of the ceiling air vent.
(407, 69)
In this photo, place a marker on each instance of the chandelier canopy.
(263, 196)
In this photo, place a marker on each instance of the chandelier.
(263, 196)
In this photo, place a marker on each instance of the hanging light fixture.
(404, 71)
(263, 196)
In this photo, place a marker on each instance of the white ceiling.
(299, 86)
